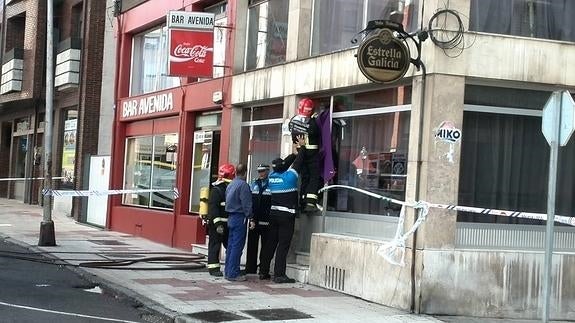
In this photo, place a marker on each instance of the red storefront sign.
(191, 53)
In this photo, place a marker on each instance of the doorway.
(205, 159)
(21, 145)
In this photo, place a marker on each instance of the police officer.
(304, 125)
(218, 218)
(261, 203)
(283, 184)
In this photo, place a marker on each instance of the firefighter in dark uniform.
(305, 124)
(261, 201)
(217, 218)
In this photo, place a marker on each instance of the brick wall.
(90, 87)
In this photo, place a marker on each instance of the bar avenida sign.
(382, 57)
(191, 43)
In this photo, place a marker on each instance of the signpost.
(558, 123)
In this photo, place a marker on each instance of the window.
(336, 22)
(69, 147)
(505, 157)
(550, 19)
(267, 33)
(261, 135)
(220, 36)
(370, 151)
(151, 164)
(150, 63)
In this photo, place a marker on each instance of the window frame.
(133, 60)
(151, 177)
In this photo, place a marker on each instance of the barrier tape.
(394, 250)
(67, 193)
(27, 178)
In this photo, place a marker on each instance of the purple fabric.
(327, 168)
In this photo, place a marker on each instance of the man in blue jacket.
(239, 208)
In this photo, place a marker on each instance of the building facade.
(490, 67)
(78, 45)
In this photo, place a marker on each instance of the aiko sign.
(191, 43)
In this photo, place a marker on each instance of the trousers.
(236, 240)
(280, 236)
(216, 240)
(260, 232)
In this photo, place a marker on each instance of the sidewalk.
(188, 296)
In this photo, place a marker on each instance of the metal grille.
(515, 237)
(334, 278)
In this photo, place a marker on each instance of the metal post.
(549, 234)
(47, 236)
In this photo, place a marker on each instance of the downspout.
(119, 44)
(417, 189)
(418, 179)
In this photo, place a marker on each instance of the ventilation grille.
(520, 237)
(334, 278)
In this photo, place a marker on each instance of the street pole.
(47, 235)
(549, 234)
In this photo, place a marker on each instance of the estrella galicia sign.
(382, 58)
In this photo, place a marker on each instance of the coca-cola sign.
(191, 53)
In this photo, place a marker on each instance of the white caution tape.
(27, 178)
(394, 251)
(67, 193)
(513, 214)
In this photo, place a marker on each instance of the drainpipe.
(417, 299)
(119, 45)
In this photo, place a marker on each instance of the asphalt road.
(31, 291)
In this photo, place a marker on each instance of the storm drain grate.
(334, 278)
(217, 316)
(108, 242)
(278, 314)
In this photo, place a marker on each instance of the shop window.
(336, 22)
(369, 151)
(69, 148)
(550, 19)
(505, 158)
(267, 33)
(150, 63)
(261, 135)
(151, 164)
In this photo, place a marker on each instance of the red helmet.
(227, 171)
(305, 107)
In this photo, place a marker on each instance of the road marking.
(5, 225)
(65, 313)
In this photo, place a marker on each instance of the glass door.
(20, 158)
(205, 161)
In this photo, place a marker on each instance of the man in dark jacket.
(283, 184)
(261, 200)
(218, 218)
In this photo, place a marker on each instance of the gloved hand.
(204, 218)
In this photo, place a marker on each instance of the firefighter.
(305, 124)
(218, 218)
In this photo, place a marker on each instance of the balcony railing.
(12, 68)
(68, 64)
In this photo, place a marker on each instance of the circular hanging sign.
(382, 58)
